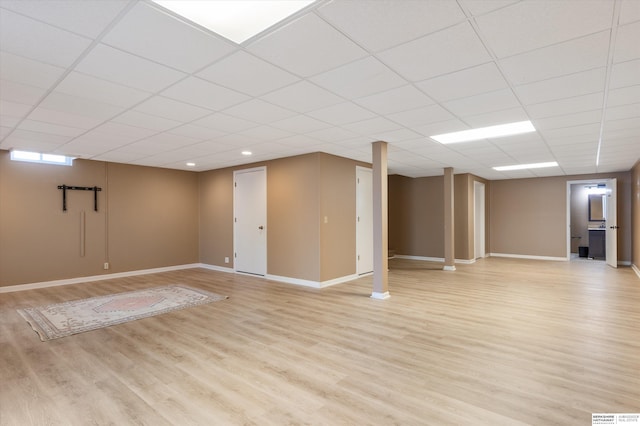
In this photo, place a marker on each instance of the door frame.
(479, 217)
(235, 232)
(370, 171)
(568, 208)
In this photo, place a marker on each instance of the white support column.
(380, 222)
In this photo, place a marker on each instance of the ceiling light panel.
(526, 166)
(485, 132)
(235, 20)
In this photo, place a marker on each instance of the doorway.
(250, 220)
(364, 220)
(591, 236)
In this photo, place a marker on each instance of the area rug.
(77, 316)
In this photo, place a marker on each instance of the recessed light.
(246, 152)
(235, 20)
(526, 166)
(191, 164)
(498, 131)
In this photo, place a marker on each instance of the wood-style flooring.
(498, 342)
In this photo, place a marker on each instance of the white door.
(611, 222)
(364, 220)
(478, 220)
(250, 220)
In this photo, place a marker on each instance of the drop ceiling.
(129, 82)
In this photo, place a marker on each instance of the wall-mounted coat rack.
(64, 188)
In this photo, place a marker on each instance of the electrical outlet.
(226, 260)
(106, 265)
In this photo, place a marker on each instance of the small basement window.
(36, 157)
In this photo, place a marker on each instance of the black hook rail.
(95, 190)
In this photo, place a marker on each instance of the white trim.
(624, 262)
(80, 280)
(434, 259)
(380, 296)
(526, 256)
(448, 268)
(216, 268)
(636, 270)
(309, 283)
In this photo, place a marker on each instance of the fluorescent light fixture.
(236, 20)
(246, 153)
(498, 131)
(191, 164)
(526, 166)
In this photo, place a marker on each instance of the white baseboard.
(636, 270)
(216, 268)
(380, 296)
(79, 280)
(448, 268)
(434, 259)
(526, 256)
(309, 283)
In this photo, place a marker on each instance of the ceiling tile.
(123, 131)
(627, 46)
(568, 120)
(12, 109)
(443, 52)
(360, 78)
(624, 95)
(629, 11)
(307, 46)
(245, 73)
(196, 132)
(20, 93)
(502, 116)
(64, 118)
(380, 25)
(169, 108)
(332, 134)
(372, 126)
(54, 129)
(565, 58)
(588, 102)
(196, 91)
(567, 86)
(28, 71)
(343, 113)
(300, 124)
(265, 133)
(32, 39)
(140, 119)
(302, 97)
(87, 17)
(486, 102)
(123, 68)
(225, 123)
(529, 25)
(173, 43)
(625, 74)
(259, 111)
(79, 106)
(421, 116)
(471, 81)
(85, 86)
(478, 8)
(395, 100)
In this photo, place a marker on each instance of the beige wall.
(301, 191)
(520, 226)
(147, 218)
(416, 215)
(635, 209)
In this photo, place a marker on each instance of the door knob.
(261, 227)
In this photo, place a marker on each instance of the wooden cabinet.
(597, 243)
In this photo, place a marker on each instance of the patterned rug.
(77, 316)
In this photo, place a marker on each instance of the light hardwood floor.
(499, 342)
